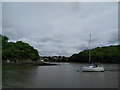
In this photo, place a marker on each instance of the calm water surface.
(64, 75)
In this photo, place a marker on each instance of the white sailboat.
(92, 67)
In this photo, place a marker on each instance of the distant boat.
(94, 67)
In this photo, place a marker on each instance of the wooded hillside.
(108, 54)
(18, 50)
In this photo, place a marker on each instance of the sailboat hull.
(92, 69)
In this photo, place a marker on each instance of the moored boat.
(92, 67)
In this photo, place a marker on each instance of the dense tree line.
(108, 54)
(18, 50)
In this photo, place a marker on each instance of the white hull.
(92, 69)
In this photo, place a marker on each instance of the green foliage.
(17, 51)
(109, 54)
(4, 38)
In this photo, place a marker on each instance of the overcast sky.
(61, 28)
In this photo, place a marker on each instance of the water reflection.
(60, 76)
(18, 76)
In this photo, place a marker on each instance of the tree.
(108, 54)
(19, 50)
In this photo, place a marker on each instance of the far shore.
(47, 63)
(35, 64)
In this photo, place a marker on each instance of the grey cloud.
(0, 17)
(47, 39)
(114, 38)
(60, 28)
(12, 33)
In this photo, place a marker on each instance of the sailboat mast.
(89, 47)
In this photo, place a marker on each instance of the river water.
(63, 75)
